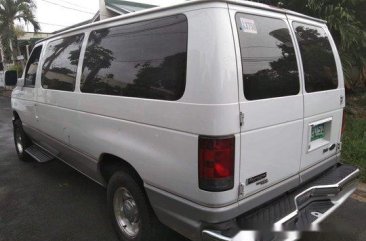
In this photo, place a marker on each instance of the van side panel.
(160, 138)
(23, 99)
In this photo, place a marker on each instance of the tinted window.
(318, 59)
(145, 60)
(32, 67)
(61, 63)
(268, 58)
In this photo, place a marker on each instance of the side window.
(268, 57)
(32, 67)
(320, 68)
(61, 62)
(144, 60)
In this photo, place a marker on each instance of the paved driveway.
(52, 202)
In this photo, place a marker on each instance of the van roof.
(187, 3)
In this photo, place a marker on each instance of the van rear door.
(324, 94)
(271, 100)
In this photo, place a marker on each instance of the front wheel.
(132, 216)
(21, 141)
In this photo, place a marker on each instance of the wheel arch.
(16, 116)
(108, 164)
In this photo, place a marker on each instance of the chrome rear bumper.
(309, 205)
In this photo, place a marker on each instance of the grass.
(354, 138)
(354, 144)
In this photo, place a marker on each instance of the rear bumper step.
(301, 209)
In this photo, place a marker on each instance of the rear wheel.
(21, 141)
(132, 216)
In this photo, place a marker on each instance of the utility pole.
(104, 11)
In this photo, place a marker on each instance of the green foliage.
(11, 10)
(349, 31)
(19, 31)
(354, 144)
(18, 68)
(347, 22)
(354, 139)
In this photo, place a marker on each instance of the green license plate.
(318, 132)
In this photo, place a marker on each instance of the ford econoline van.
(211, 117)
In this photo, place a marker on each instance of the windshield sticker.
(248, 26)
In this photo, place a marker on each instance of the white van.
(211, 117)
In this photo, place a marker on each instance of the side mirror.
(11, 78)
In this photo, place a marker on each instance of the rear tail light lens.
(216, 163)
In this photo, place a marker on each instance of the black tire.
(150, 228)
(21, 138)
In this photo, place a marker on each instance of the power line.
(52, 24)
(67, 7)
(76, 5)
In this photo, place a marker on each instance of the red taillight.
(216, 157)
(343, 123)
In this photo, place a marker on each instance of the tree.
(347, 22)
(19, 31)
(11, 10)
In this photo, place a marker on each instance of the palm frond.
(11, 10)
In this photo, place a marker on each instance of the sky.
(57, 14)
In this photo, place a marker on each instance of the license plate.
(318, 132)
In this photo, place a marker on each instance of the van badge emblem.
(257, 178)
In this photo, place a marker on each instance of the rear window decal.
(248, 26)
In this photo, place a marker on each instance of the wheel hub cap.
(18, 140)
(126, 212)
(130, 210)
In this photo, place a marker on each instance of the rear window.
(61, 62)
(320, 68)
(144, 60)
(268, 58)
